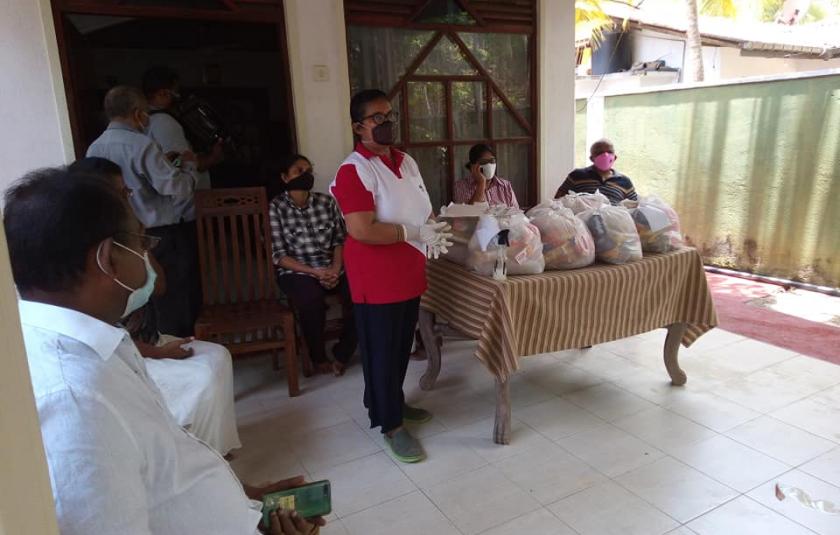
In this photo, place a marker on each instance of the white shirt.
(119, 463)
(399, 200)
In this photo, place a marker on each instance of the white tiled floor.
(601, 443)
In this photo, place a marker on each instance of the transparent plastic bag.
(581, 202)
(567, 243)
(657, 224)
(524, 252)
(614, 233)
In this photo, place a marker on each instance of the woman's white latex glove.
(435, 236)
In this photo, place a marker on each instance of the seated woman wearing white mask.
(482, 185)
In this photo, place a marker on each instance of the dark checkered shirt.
(309, 234)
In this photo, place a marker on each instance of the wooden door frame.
(269, 12)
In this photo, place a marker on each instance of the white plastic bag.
(657, 224)
(580, 202)
(614, 233)
(524, 252)
(567, 243)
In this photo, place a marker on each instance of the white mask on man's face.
(488, 170)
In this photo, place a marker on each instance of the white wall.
(556, 93)
(322, 108)
(33, 110)
(734, 65)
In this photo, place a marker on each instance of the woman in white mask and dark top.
(390, 234)
(482, 185)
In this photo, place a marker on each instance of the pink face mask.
(604, 161)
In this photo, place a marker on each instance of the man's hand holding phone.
(285, 522)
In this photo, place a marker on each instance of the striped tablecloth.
(557, 310)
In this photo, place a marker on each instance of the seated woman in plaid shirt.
(307, 241)
(482, 185)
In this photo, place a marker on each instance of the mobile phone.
(312, 499)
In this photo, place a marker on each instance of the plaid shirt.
(309, 234)
(499, 192)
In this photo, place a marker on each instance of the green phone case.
(312, 499)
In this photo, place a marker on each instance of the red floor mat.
(810, 338)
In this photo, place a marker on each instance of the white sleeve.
(95, 467)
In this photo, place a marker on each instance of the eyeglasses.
(147, 243)
(380, 118)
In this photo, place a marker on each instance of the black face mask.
(383, 134)
(304, 182)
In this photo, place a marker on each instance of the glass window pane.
(445, 12)
(380, 56)
(434, 167)
(514, 164)
(504, 123)
(446, 58)
(505, 56)
(427, 111)
(469, 110)
(462, 159)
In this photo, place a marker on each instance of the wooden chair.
(241, 307)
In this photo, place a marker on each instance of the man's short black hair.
(121, 101)
(359, 102)
(157, 78)
(53, 218)
(93, 165)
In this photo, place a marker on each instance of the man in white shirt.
(119, 463)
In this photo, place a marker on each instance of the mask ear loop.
(99, 263)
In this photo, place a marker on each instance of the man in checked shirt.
(307, 241)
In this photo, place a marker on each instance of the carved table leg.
(501, 430)
(672, 348)
(432, 343)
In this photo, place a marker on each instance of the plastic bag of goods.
(580, 202)
(614, 233)
(524, 252)
(567, 243)
(657, 224)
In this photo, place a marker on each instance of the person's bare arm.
(364, 227)
(216, 155)
(480, 194)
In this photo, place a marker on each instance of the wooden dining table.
(558, 310)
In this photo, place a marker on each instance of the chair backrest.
(234, 245)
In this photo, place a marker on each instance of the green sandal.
(404, 447)
(416, 415)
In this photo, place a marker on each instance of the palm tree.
(717, 8)
(694, 43)
(589, 14)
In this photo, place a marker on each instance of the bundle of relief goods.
(580, 202)
(657, 223)
(463, 219)
(614, 232)
(524, 248)
(567, 243)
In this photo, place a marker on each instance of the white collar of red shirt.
(396, 156)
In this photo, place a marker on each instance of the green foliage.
(719, 8)
(590, 15)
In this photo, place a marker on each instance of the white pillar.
(556, 61)
(34, 121)
(317, 45)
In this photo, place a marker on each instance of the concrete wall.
(322, 106)
(33, 108)
(752, 168)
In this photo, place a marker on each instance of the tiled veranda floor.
(601, 443)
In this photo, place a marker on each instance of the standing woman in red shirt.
(387, 209)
